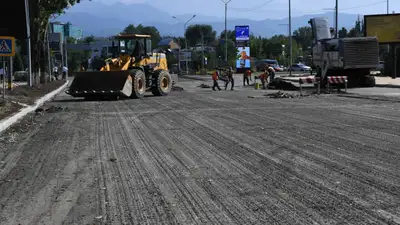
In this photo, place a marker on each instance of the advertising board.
(386, 27)
(243, 57)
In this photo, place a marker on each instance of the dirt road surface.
(203, 157)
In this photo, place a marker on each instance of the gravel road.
(203, 157)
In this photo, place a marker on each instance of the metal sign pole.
(10, 73)
(4, 76)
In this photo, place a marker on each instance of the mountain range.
(103, 20)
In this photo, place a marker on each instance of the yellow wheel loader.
(134, 72)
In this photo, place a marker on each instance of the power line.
(344, 9)
(252, 8)
(309, 12)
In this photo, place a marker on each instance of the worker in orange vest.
(215, 80)
(246, 75)
(264, 79)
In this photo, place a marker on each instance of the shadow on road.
(98, 99)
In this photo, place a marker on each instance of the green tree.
(303, 37)
(88, 40)
(140, 29)
(76, 58)
(72, 40)
(357, 30)
(343, 32)
(198, 33)
(40, 13)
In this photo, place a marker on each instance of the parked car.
(381, 66)
(299, 67)
(260, 65)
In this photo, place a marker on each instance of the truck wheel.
(369, 81)
(162, 83)
(138, 84)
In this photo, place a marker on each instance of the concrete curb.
(387, 85)
(7, 122)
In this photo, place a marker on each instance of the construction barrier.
(337, 80)
(309, 80)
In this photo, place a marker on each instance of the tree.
(357, 30)
(40, 12)
(303, 37)
(198, 33)
(140, 29)
(343, 32)
(88, 40)
(71, 40)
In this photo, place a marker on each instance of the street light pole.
(290, 38)
(226, 32)
(184, 34)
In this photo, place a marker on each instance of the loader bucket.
(101, 83)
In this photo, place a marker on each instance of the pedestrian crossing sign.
(7, 46)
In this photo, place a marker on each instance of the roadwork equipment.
(136, 70)
(352, 57)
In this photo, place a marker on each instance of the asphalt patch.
(50, 109)
(204, 86)
(278, 83)
(177, 88)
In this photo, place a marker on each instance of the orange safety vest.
(215, 76)
(263, 76)
(248, 73)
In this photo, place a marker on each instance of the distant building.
(170, 43)
(66, 30)
(96, 49)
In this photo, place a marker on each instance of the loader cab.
(136, 45)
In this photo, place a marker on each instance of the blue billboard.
(242, 33)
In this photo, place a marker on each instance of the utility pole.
(290, 39)
(184, 34)
(336, 18)
(226, 29)
(28, 40)
(387, 6)
(202, 50)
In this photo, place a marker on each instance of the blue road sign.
(242, 33)
(7, 46)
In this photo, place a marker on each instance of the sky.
(261, 9)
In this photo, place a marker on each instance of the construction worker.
(215, 80)
(246, 75)
(230, 79)
(271, 72)
(82, 68)
(264, 79)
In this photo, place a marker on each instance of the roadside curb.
(387, 85)
(7, 122)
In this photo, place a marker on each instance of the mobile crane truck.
(352, 57)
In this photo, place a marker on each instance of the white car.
(300, 67)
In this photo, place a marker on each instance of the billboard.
(386, 27)
(242, 33)
(243, 57)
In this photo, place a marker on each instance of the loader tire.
(162, 83)
(138, 84)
